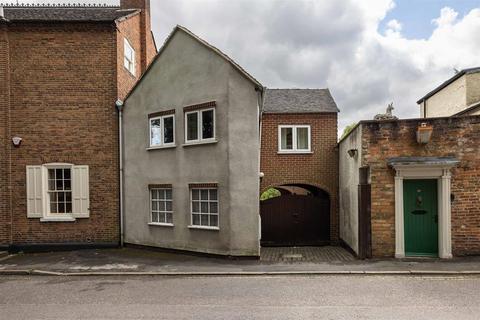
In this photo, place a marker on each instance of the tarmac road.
(277, 297)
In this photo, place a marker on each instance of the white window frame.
(48, 209)
(195, 226)
(128, 62)
(294, 139)
(162, 129)
(200, 139)
(78, 193)
(154, 223)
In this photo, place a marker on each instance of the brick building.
(299, 158)
(423, 180)
(61, 71)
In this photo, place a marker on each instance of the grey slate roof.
(298, 101)
(52, 13)
(446, 83)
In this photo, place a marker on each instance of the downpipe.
(119, 105)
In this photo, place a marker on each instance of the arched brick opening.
(300, 216)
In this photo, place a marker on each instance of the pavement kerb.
(240, 273)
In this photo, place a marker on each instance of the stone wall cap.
(426, 161)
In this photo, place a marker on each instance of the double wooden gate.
(295, 220)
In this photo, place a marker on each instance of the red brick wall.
(147, 50)
(128, 29)
(63, 89)
(458, 137)
(319, 169)
(4, 136)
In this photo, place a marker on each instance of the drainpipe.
(119, 105)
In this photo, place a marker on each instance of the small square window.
(161, 205)
(204, 207)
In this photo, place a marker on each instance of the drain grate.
(292, 256)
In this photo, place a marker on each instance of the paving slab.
(141, 261)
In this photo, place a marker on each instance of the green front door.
(420, 217)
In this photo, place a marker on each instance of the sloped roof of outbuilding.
(66, 13)
(299, 101)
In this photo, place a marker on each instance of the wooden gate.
(295, 220)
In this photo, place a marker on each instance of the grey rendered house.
(191, 142)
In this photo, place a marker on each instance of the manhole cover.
(292, 256)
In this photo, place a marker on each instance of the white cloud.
(336, 44)
(448, 16)
(306, 44)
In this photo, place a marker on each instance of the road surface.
(278, 297)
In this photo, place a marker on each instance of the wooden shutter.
(34, 192)
(80, 192)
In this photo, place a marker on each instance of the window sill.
(204, 228)
(295, 152)
(130, 72)
(196, 143)
(159, 224)
(162, 147)
(57, 219)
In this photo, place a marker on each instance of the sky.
(367, 52)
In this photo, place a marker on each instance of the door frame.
(440, 172)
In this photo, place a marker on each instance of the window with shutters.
(57, 192)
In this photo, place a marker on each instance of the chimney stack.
(145, 26)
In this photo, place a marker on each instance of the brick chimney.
(145, 25)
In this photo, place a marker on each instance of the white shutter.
(34, 192)
(80, 192)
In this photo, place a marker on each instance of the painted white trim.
(160, 224)
(399, 219)
(418, 171)
(294, 139)
(200, 139)
(199, 143)
(58, 219)
(203, 228)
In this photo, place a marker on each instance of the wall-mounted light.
(352, 152)
(17, 141)
(424, 133)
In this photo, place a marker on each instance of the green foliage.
(270, 193)
(347, 130)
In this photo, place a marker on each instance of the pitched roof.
(64, 14)
(208, 46)
(299, 101)
(446, 83)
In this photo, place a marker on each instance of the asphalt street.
(278, 297)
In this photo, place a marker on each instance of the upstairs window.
(294, 139)
(200, 125)
(162, 131)
(129, 57)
